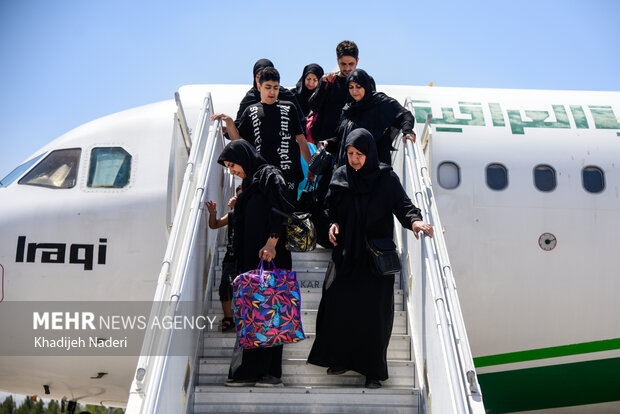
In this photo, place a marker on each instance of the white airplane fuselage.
(536, 270)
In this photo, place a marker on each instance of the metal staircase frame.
(444, 363)
(188, 265)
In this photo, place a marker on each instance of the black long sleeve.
(406, 212)
(405, 121)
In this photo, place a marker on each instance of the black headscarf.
(376, 112)
(301, 84)
(258, 66)
(242, 153)
(363, 180)
(361, 77)
(257, 171)
(361, 184)
(302, 93)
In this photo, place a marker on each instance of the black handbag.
(321, 161)
(384, 256)
(309, 199)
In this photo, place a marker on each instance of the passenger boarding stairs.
(430, 364)
(307, 387)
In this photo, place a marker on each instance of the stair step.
(386, 400)
(296, 372)
(220, 344)
(308, 319)
(310, 298)
(308, 389)
(318, 255)
(308, 277)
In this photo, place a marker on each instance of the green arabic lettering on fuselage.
(472, 114)
(604, 117)
(539, 119)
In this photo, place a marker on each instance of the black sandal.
(228, 324)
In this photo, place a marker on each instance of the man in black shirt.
(272, 127)
(332, 93)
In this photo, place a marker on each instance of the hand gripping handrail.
(147, 385)
(462, 383)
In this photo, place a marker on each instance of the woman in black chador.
(306, 85)
(257, 232)
(381, 115)
(355, 316)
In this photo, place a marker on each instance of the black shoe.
(239, 382)
(336, 370)
(228, 324)
(372, 383)
(269, 381)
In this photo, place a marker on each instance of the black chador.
(355, 316)
(254, 222)
(381, 115)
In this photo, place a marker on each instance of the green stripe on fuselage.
(542, 353)
(563, 385)
(442, 129)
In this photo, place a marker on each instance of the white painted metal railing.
(161, 374)
(444, 363)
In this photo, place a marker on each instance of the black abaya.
(354, 321)
(254, 221)
(380, 114)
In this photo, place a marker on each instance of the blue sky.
(67, 62)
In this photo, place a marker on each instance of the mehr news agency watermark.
(84, 321)
(110, 328)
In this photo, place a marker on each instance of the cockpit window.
(14, 175)
(109, 168)
(57, 170)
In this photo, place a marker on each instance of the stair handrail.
(464, 388)
(151, 368)
(180, 115)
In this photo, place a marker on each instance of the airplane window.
(593, 179)
(109, 168)
(57, 170)
(497, 177)
(544, 178)
(14, 175)
(449, 175)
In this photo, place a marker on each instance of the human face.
(311, 81)
(235, 169)
(257, 76)
(269, 91)
(356, 158)
(357, 91)
(346, 65)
